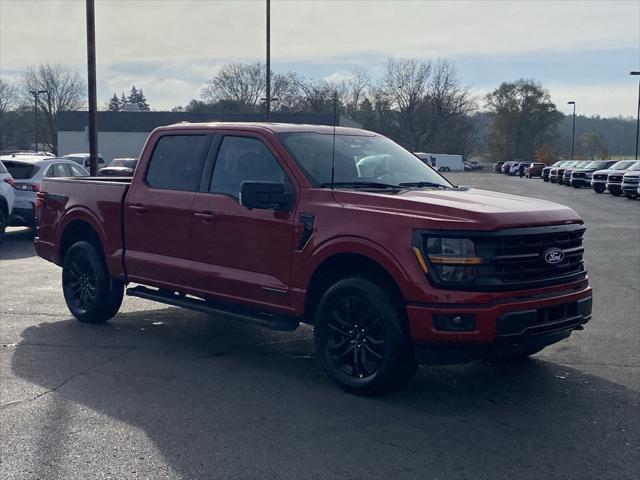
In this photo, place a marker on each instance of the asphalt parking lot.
(165, 393)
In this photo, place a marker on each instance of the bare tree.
(243, 83)
(358, 87)
(65, 90)
(285, 91)
(405, 84)
(8, 102)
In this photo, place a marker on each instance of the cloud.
(172, 48)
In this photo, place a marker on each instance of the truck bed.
(97, 200)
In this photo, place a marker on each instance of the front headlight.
(453, 259)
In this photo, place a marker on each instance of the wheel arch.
(336, 263)
(79, 229)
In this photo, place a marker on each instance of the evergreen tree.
(114, 104)
(142, 102)
(133, 95)
(123, 101)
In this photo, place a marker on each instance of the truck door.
(157, 212)
(243, 255)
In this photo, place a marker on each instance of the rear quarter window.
(2, 169)
(21, 170)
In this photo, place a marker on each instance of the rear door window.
(76, 171)
(177, 162)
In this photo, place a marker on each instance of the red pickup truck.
(345, 230)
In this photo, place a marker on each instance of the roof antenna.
(333, 150)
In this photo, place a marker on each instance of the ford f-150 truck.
(341, 228)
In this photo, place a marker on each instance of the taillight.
(34, 187)
(41, 203)
(10, 181)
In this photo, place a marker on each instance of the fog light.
(454, 323)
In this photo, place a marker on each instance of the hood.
(633, 173)
(608, 171)
(461, 208)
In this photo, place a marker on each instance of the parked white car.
(7, 198)
(84, 159)
(28, 173)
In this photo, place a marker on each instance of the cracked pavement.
(163, 393)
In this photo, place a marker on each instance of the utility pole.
(93, 101)
(268, 101)
(573, 135)
(638, 117)
(35, 94)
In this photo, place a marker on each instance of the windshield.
(634, 167)
(21, 170)
(623, 165)
(358, 160)
(598, 165)
(123, 162)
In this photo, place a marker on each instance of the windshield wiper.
(422, 184)
(361, 185)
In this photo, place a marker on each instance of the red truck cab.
(343, 229)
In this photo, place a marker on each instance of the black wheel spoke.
(355, 336)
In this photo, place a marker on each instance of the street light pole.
(268, 92)
(35, 94)
(638, 117)
(91, 77)
(573, 135)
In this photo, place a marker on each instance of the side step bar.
(265, 320)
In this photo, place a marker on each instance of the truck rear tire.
(91, 294)
(361, 338)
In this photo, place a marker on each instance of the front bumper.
(630, 188)
(500, 328)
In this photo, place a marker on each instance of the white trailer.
(443, 162)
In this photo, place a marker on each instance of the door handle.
(138, 207)
(205, 216)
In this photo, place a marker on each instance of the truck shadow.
(17, 243)
(225, 400)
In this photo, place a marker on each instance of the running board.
(265, 320)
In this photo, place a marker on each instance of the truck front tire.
(360, 338)
(91, 294)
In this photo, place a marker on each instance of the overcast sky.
(579, 50)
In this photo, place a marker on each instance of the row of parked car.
(618, 177)
(22, 173)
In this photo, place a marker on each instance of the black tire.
(362, 338)
(631, 196)
(575, 185)
(599, 188)
(91, 294)
(3, 224)
(546, 179)
(615, 192)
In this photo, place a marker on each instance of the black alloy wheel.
(91, 294)
(356, 341)
(81, 281)
(362, 337)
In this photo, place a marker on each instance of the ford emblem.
(553, 256)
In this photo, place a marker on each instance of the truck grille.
(600, 177)
(514, 259)
(631, 179)
(579, 175)
(615, 178)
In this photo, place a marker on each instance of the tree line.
(422, 105)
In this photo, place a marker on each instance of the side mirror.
(265, 196)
